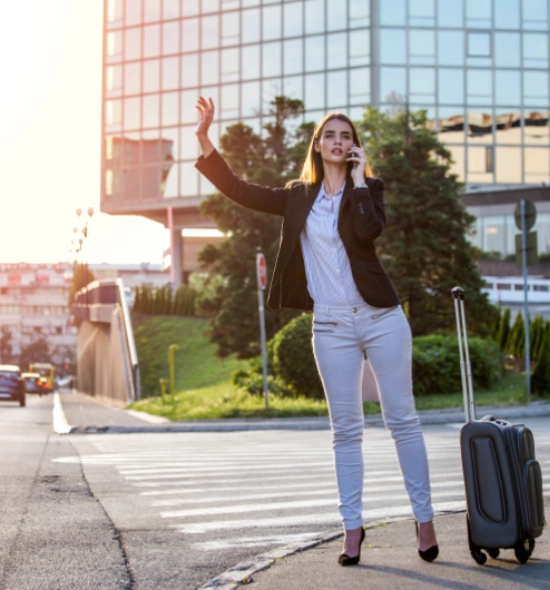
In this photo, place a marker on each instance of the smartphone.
(355, 164)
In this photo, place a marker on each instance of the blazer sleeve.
(369, 210)
(251, 196)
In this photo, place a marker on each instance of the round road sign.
(530, 215)
(261, 271)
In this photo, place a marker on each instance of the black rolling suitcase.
(502, 479)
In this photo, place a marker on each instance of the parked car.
(35, 383)
(12, 386)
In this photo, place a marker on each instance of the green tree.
(504, 329)
(82, 276)
(540, 379)
(270, 160)
(35, 352)
(5, 346)
(516, 342)
(424, 246)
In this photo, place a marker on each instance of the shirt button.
(354, 310)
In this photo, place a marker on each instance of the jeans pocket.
(383, 312)
(323, 324)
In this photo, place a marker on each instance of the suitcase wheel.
(493, 553)
(523, 550)
(479, 557)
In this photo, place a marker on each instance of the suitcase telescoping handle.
(465, 368)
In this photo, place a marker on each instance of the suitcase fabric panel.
(489, 486)
(533, 480)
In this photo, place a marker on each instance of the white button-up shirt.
(328, 270)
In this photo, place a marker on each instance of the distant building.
(478, 67)
(34, 302)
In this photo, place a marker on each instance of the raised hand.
(206, 110)
(357, 156)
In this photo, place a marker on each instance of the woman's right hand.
(206, 110)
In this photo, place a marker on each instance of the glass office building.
(479, 68)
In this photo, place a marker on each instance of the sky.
(50, 139)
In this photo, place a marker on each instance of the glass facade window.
(535, 15)
(393, 13)
(479, 14)
(478, 67)
(393, 46)
(450, 48)
(190, 70)
(359, 13)
(359, 48)
(421, 46)
(170, 38)
(132, 44)
(314, 16)
(293, 16)
(507, 14)
(315, 53)
(190, 34)
(450, 13)
(336, 15)
(231, 28)
(251, 25)
(507, 49)
(338, 50)
(422, 13)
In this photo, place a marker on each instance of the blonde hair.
(313, 170)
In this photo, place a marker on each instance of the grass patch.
(196, 364)
(225, 401)
(203, 381)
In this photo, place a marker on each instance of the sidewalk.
(86, 415)
(389, 561)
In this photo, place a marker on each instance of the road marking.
(330, 490)
(324, 518)
(60, 424)
(253, 541)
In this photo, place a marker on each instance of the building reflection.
(137, 169)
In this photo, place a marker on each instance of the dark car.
(12, 386)
(35, 383)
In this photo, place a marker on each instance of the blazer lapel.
(303, 207)
(346, 195)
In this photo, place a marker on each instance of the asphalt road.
(174, 510)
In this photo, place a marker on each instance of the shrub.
(253, 382)
(436, 364)
(293, 358)
(540, 380)
(504, 329)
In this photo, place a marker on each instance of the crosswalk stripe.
(298, 504)
(242, 495)
(320, 519)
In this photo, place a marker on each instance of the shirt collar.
(322, 192)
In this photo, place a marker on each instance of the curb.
(454, 416)
(242, 573)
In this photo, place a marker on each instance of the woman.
(327, 263)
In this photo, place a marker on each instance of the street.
(173, 510)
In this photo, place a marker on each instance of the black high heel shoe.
(431, 553)
(344, 559)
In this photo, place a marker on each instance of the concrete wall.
(104, 367)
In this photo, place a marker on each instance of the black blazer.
(361, 221)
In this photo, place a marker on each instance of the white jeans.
(340, 335)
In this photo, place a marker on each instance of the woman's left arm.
(368, 209)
